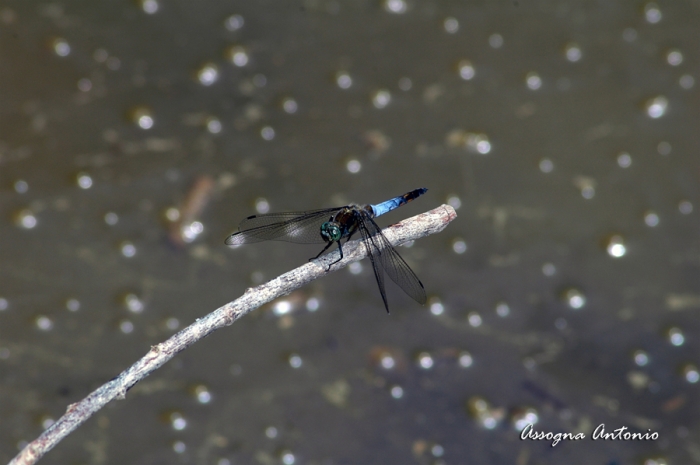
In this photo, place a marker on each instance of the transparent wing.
(384, 256)
(299, 227)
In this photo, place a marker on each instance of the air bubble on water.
(459, 246)
(685, 207)
(21, 186)
(25, 219)
(150, 6)
(674, 57)
(574, 298)
(624, 160)
(573, 52)
(267, 133)
(343, 79)
(656, 107)
(262, 205)
(652, 13)
(616, 246)
(395, 6)
(496, 40)
(353, 166)
(61, 47)
(533, 80)
(466, 70)
(546, 165)
(381, 98)
(238, 55)
(142, 117)
(234, 22)
(208, 74)
(686, 81)
(213, 125)
(651, 219)
(451, 25)
(289, 105)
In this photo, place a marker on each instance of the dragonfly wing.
(394, 265)
(299, 227)
(373, 253)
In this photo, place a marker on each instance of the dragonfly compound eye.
(330, 232)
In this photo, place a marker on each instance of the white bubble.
(295, 361)
(657, 107)
(686, 81)
(355, 268)
(126, 326)
(149, 6)
(191, 231)
(674, 57)
(214, 125)
(128, 249)
(474, 319)
(111, 218)
(676, 337)
(454, 201)
(624, 160)
(396, 392)
(616, 247)
(405, 84)
(73, 305)
(573, 52)
(548, 269)
(234, 22)
(465, 359)
(145, 121)
(652, 13)
(312, 304)
(267, 133)
(353, 166)
(459, 246)
(575, 299)
(395, 6)
(208, 74)
(21, 186)
(502, 309)
(133, 303)
(641, 358)
(664, 148)
(466, 70)
(546, 165)
(26, 219)
(343, 80)
(290, 105)
(44, 323)
(425, 360)
(381, 98)
(61, 47)
(533, 81)
(436, 307)
(651, 219)
(685, 207)
(84, 181)
(238, 55)
(262, 205)
(387, 361)
(496, 40)
(451, 25)
(84, 85)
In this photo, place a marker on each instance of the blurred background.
(135, 136)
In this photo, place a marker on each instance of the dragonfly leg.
(321, 252)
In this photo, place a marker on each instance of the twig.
(410, 229)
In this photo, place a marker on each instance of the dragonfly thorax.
(330, 231)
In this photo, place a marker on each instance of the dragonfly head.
(330, 231)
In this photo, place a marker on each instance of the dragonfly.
(331, 226)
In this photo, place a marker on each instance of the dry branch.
(410, 229)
